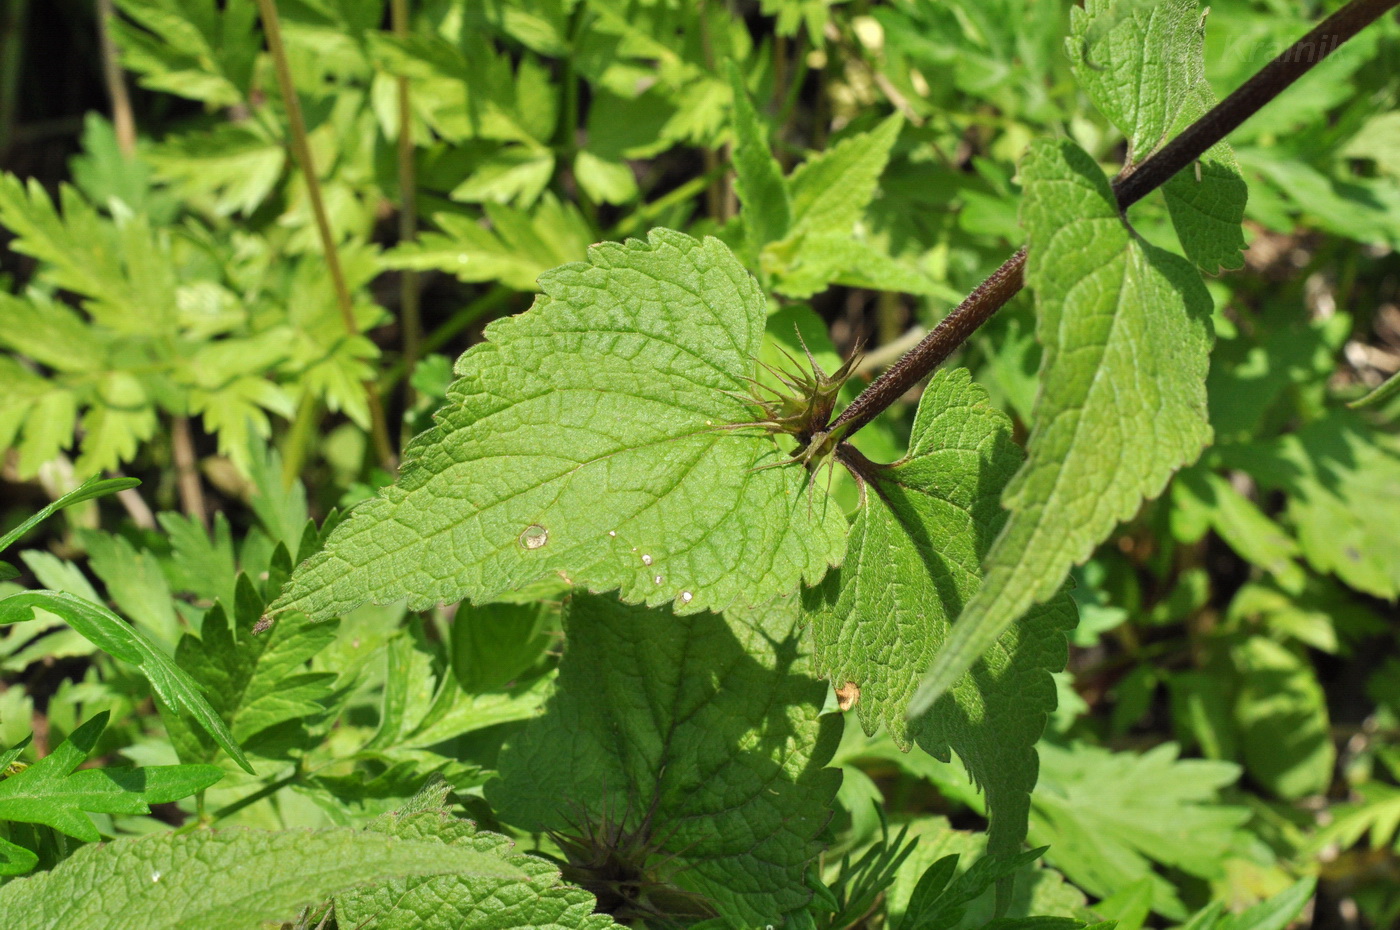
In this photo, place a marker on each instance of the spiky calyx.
(803, 406)
(627, 870)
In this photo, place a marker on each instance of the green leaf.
(1126, 331)
(423, 706)
(938, 903)
(1134, 58)
(1379, 395)
(816, 260)
(1379, 141)
(15, 859)
(135, 583)
(494, 643)
(1143, 64)
(603, 180)
(1281, 712)
(107, 176)
(1206, 204)
(913, 560)
(831, 191)
(1277, 913)
(257, 682)
(587, 438)
(50, 792)
(758, 178)
(1207, 201)
(226, 879)
(1129, 907)
(514, 173)
(120, 640)
(193, 48)
(233, 167)
(1342, 485)
(1240, 523)
(451, 902)
(516, 250)
(1039, 889)
(93, 487)
(719, 790)
(1374, 816)
(124, 269)
(202, 561)
(1106, 816)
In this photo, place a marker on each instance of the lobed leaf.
(1107, 816)
(758, 178)
(51, 792)
(1342, 483)
(121, 640)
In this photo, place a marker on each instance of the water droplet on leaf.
(534, 536)
(686, 597)
(646, 560)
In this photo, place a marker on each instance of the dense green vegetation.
(428, 500)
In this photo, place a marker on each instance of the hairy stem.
(301, 150)
(410, 316)
(992, 294)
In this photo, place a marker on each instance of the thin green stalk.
(410, 315)
(684, 192)
(301, 150)
(296, 445)
(459, 321)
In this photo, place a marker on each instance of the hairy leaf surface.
(1143, 64)
(586, 438)
(1134, 61)
(454, 902)
(226, 879)
(1122, 404)
(914, 559)
(721, 771)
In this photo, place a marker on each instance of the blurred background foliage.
(1230, 720)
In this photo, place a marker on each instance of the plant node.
(627, 869)
(803, 406)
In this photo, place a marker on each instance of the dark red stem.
(992, 294)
